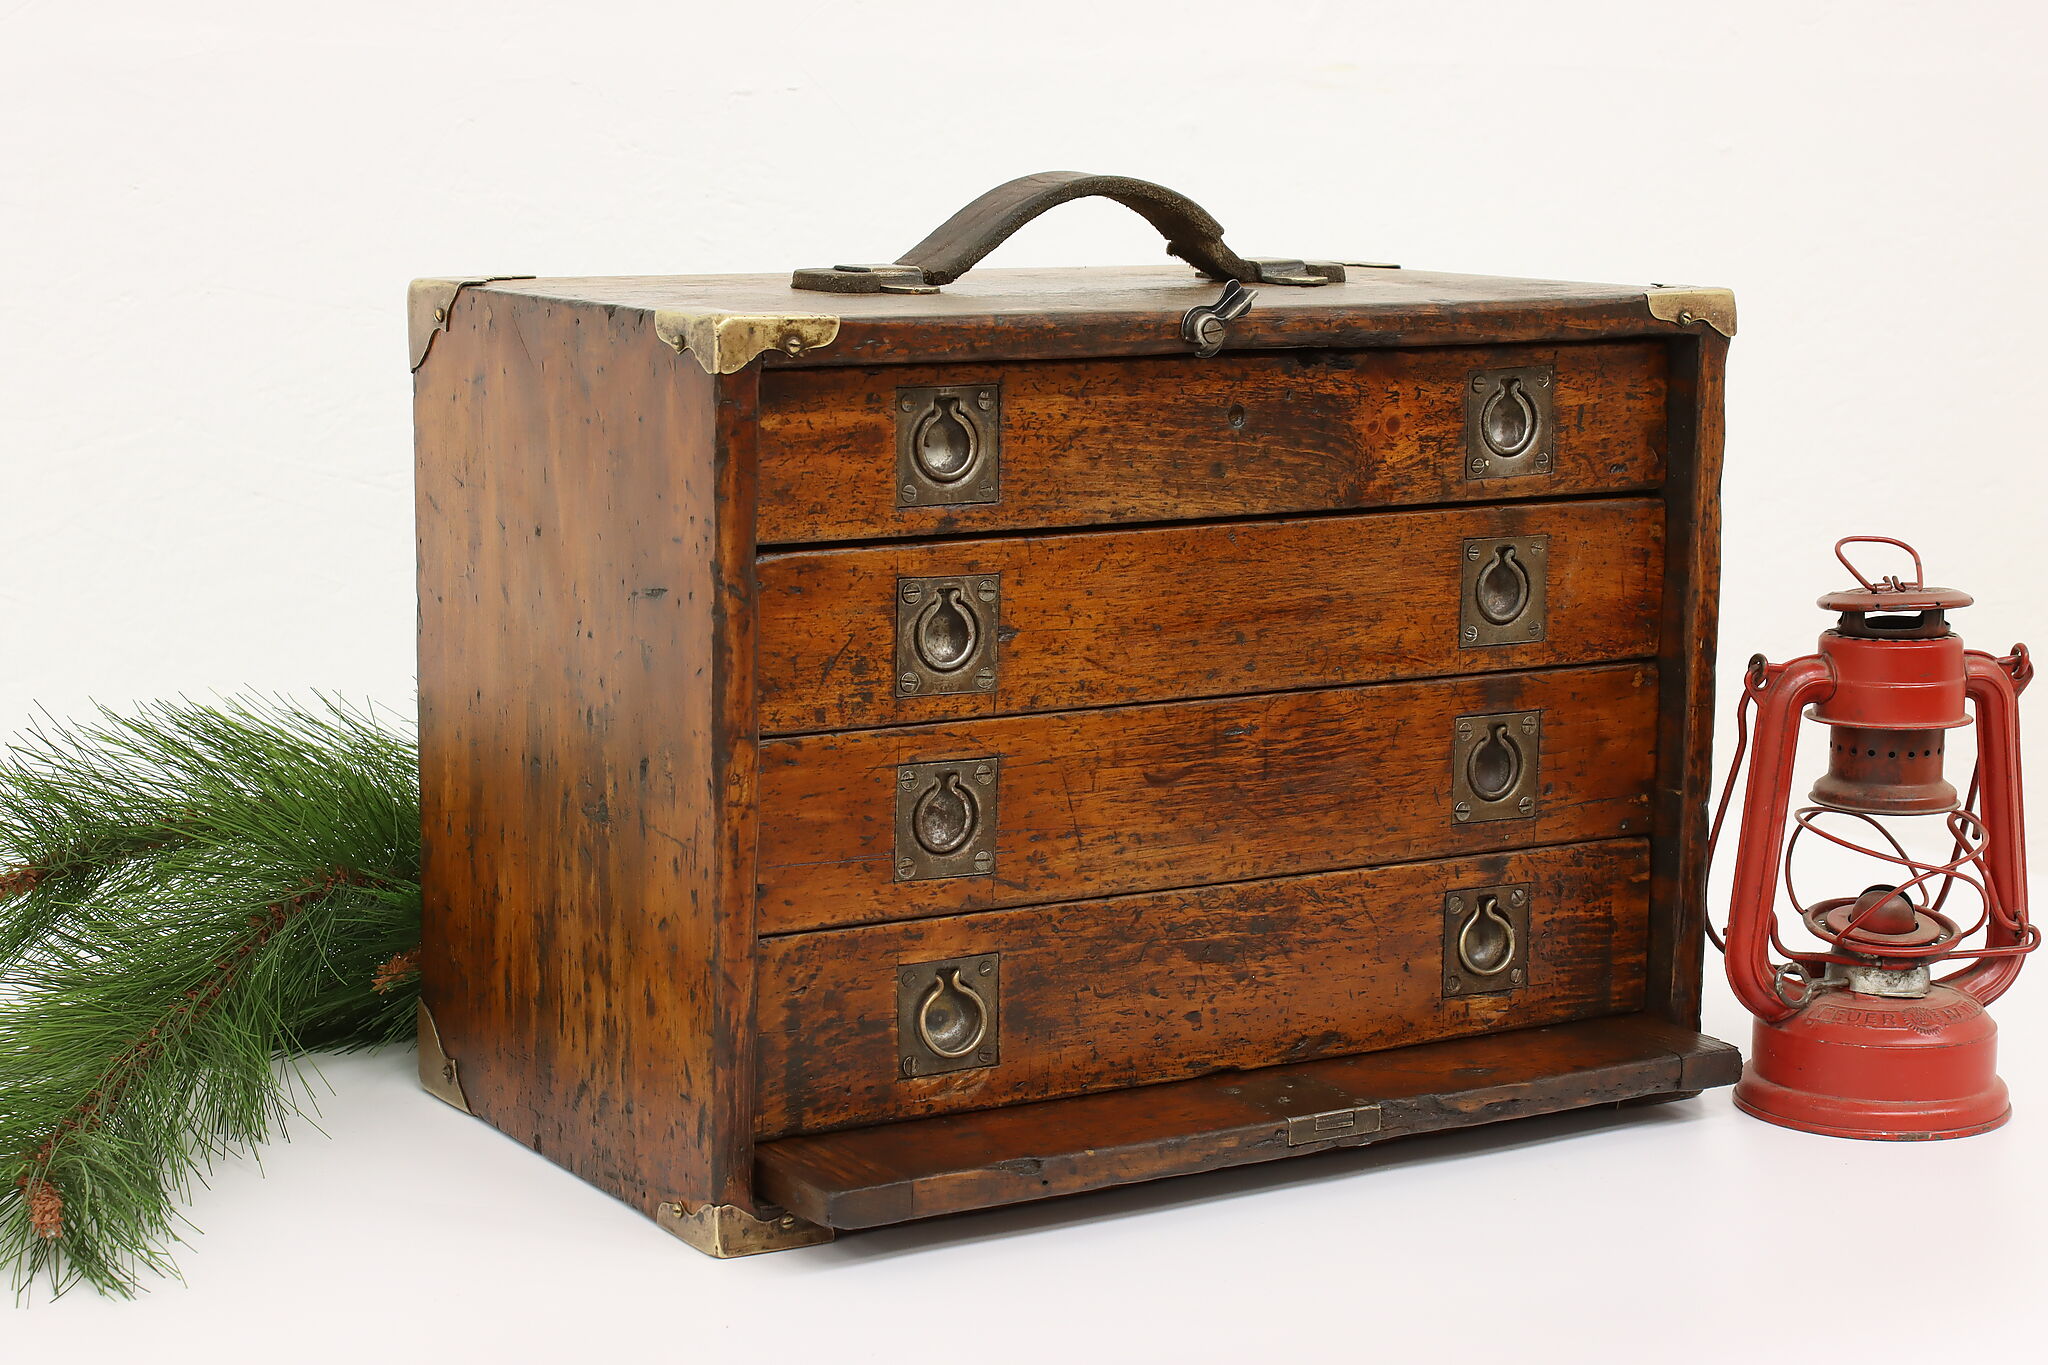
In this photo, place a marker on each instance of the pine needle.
(191, 897)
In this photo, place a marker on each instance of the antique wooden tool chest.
(897, 742)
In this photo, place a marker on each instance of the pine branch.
(252, 877)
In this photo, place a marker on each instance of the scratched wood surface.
(1110, 617)
(922, 1168)
(1092, 803)
(1062, 312)
(583, 711)
(1127, 991)
(1182, 438)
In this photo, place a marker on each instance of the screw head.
(1471, 552)
(1516, 976)
(1517, 896)
(984, 774)
(1471, 633)
(986, 679)
(913, 592)
(906, 405)
(907, 683)
(984, 859)
(987, 966)
(1451, 983)
(910, 1066)
(986, 590)
(1479, 383)
(1527, 805)
(985, 1056)
(1463, 810)
(910, 492)
(1454, 905)
(1535, 629)
(985, 400)
(905, 867)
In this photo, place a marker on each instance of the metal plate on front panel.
(948, 1015)
(946, 819)
(1496, 766)
(1505, 594)
(1486, 939)
(949, 445)
(946, 634)
(1510, 422)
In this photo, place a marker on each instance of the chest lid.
(924, 307)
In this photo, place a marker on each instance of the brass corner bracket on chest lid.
(1686, 306)
(726, 343)
(428, 304)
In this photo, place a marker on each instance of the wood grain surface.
(1092, 803)
(1064, 312)
(1107, 617)
(922, 1168)
(1135, 989)
(1183, 438)
(585, 742)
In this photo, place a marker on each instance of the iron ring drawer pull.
(952, 1019)
(1495, 935)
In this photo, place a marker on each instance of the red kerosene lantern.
(1858, 1039)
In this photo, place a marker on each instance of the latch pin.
(1206, 324)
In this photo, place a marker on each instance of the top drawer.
(931, 450)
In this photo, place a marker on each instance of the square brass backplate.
(946, 819)
(949, 445)
(1505, 592)
(1496, 766)
(948, 1015)
(1510, 427)
(1486, 939)
(946, 634)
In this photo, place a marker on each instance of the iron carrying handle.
(951, 250)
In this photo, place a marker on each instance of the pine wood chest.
(912, 743)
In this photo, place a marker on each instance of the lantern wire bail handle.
(1890, 581)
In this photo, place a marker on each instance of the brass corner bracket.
(727, 1230)
(439, 1075)
(428, 304)
(725, 343)
(1674, 304)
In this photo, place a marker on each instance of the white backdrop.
(208, 214)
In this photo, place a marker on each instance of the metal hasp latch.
(949, 1015)
(1496, 766)
(1506, 596)
(1486, 939)
(946, 819)
(1333, 1125)
(1206, 324)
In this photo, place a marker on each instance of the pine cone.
(396, 972)
(45, 1209)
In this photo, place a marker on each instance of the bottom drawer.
(1065, 999)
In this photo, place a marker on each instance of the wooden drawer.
(1101, 618)
(1094, 803)
(1092, 442)
(1101, 994)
